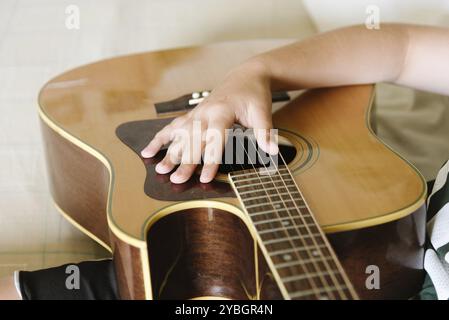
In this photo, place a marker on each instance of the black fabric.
(96, 282)
(438, 200)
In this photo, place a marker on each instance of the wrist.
(254, 69)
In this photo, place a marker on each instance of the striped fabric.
(436, 261)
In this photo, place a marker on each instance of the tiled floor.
(36, 45)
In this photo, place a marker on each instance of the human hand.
(244, 97)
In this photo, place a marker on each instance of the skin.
(413, 56)
(8, 290)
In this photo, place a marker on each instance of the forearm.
(409, 55)
(355, 55)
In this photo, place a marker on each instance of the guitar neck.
(300, 257)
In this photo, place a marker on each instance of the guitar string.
(295, 225)
(311, 280)
(328, 267)
(337, 283)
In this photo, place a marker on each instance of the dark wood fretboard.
(300, 257)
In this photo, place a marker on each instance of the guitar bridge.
(189, 101)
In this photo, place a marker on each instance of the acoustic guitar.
(341, 215)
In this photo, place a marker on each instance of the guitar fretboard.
(300, 257)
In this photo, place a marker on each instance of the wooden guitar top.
(348, 177)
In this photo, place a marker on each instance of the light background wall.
(35, 45)
(330, 14)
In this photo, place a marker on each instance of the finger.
(160, 139)
(191, 155)
(266, 137)
(171, 159)
(213, 150)
(183, 173)
(208, 172)
(190, 160)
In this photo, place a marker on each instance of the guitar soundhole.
(244, 154)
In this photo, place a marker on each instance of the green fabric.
(428, 291)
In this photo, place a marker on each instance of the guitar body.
(195, 241)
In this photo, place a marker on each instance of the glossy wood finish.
(79, 184)
(129, 270)
(202, 253)
(396, 248)
(354, 181)
(358, 177)
(206, 252)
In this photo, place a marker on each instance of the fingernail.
(176, 178)
(205, 178)
(274, 148)
(147, 153)
(160, 168)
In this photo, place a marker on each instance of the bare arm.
(414, 56)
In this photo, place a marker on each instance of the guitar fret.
(297, 250)
(288, 228)
(301, 262)
(309, 275)
(271, 203)
(283, 178)
(313, 292)
(265, 197)
(267, 189)
(280, 240)
(304, 223)
(258, 213)
(262, 172)
(286, 219)
(289, 232)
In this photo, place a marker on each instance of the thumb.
(266, 136)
